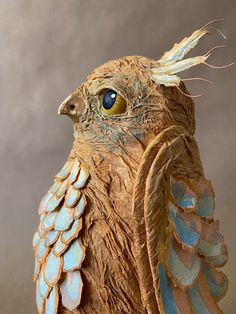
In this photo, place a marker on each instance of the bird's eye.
(113, 103)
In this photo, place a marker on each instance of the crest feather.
(173, 62)
(182, 48)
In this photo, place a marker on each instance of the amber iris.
(113, 103)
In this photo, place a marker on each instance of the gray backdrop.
(47, 48)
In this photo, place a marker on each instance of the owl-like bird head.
(119, 100)
(132, 99)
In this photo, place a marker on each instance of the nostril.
(72, 107)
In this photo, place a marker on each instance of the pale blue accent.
(71, 289)
(82, 178)
(52, 302)
(180, 53)
(72, 286)
(196, 300)
(74, 256)
(43, 287)
(182, 50)
(74, 172)
(80, 206)
(182, 197)
(39, 300)
(166, 293)
(41, 230)
(72, 197)
(45, 200)
(184, 275)
(42, 215)
(64, 172)
(220, 260)
(41, 250)
(185, 230)
(167, 80)
(36, 268)
(181, 65)
(48, 220)
(208, 249)
(52, 269)
(64, 219)
(217, 290)
(70, 234)
(59, 247)
(55, 187)
(62, 189)
(53, 203)
(51, 237)
(206, 204)
(36, 239)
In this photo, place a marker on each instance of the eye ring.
(112, 103)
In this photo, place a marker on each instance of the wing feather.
(59, 251)
(182, 239)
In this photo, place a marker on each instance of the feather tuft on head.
(173, 62)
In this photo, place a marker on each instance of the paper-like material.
(128, 224)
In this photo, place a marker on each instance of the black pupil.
(109, 98)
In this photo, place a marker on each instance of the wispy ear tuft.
(173, 61)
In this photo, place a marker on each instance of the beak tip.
(62, 108)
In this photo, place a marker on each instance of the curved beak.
(73, 106)
(63, 108)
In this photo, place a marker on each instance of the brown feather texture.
(128, 224)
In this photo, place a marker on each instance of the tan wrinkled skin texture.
(112, 149)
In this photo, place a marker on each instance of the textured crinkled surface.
(128, 224)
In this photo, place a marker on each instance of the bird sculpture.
(128, 224)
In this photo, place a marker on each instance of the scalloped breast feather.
(59, 252)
